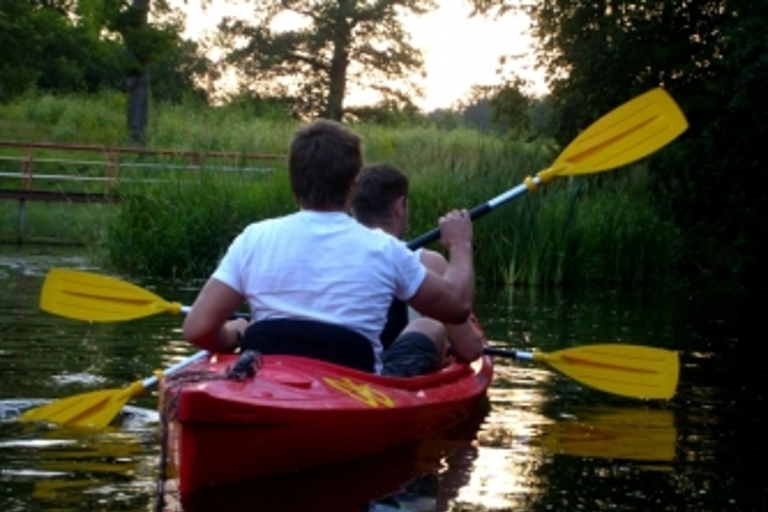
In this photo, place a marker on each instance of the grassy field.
(590, 229)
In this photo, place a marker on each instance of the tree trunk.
(342, 36)
(137, 81)
(138, 107)
(335, 107)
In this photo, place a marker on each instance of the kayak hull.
(297, 413)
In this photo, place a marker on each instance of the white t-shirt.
(322, 266)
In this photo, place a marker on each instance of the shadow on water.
(546, 443)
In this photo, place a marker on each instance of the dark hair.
(325, 158)
(377, 187)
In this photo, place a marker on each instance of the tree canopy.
(335, 43)
(83, 46)
(712, 56)
(43, 47)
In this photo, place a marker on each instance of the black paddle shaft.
(479, 211)
(431, 236)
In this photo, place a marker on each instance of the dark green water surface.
(546, 443)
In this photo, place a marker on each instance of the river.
(545, 443)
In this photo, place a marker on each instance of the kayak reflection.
(422, 476)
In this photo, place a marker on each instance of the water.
(546, 443)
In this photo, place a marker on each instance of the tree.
(144, 43)
(68, 46)
(47, 49)
(335, 43)
(182, 74)
(711, 55)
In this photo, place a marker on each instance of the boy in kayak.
(380, 201)
(317, 282)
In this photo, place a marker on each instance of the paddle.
(93, 297)
(628, 133)
(97, 409)
(620, 369)
(627, 370)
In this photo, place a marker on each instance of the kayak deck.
(297, 413)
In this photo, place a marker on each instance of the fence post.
(26, 168)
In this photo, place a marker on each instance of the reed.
(576, 230)
(181, 228)
(581, 231)
(53, 223)
(97, 119)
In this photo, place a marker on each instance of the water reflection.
(613, 433)
(424, 476)
(546, 443)
(67, 469)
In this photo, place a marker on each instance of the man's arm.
(466, 341)
(207, 325)
(448, 296)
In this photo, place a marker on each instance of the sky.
(458, 52)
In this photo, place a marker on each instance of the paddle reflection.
(73, 469)
(642, 434)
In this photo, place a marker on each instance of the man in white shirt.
(320, 268)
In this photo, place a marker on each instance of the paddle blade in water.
(96, 409)
(97, 298)
(627, 370)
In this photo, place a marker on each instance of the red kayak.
(295, 413)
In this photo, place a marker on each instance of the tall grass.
(71, 223)
(580, 230)
(49, 118)
(182, 228)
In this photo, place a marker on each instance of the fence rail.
(35, 161)
(74, 173)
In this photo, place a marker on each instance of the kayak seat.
(310, 338)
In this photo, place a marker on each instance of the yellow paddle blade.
(96, 409)
(628, 133)
(97, 298)
(627, 370)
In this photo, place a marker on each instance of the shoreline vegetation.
(592, 229)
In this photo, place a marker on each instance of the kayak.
(289, 413)
(383, 481)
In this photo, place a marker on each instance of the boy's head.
(380, 198)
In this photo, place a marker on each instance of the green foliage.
(100, 119)
(583, 232)
(589, 229)
(53, 223)
(178, 75)
(385, 113)
(44, 48)
(711, 56)
(181, 229)
(228, 128)
(97, 119)
(334, 43)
